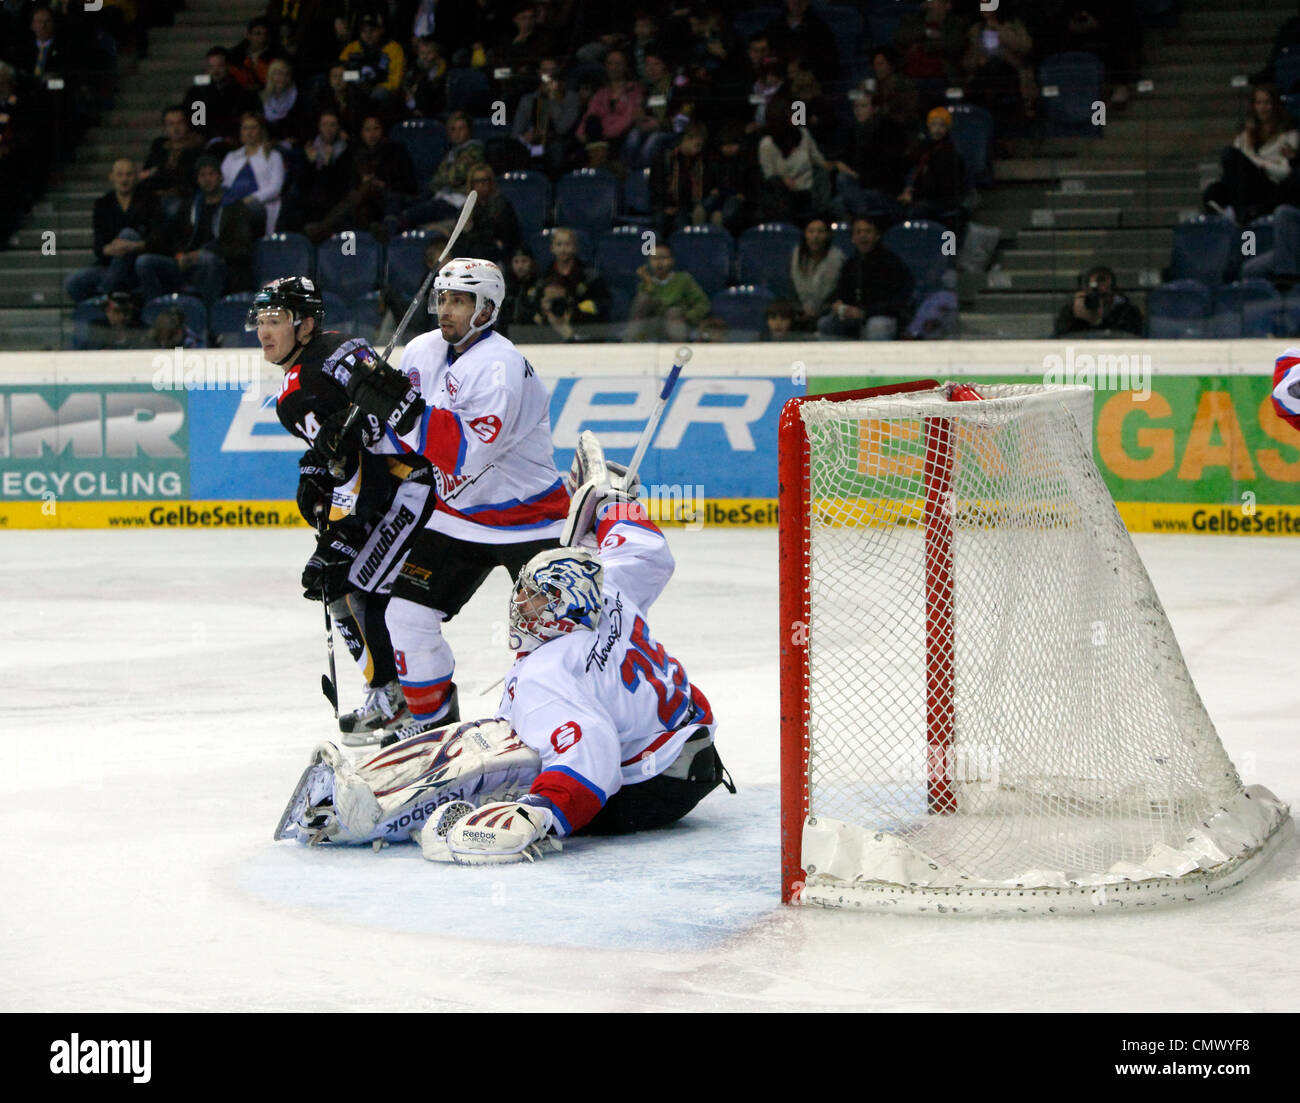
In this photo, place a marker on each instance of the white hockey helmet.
(557, 592)
(480, 278)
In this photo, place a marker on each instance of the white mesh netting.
(1063, 744)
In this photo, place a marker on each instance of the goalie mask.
(557, 592)
(480, 278)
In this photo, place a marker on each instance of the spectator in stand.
(328, 174)
(669, 304)
(521, 51)
(715, 63)
(521, 282)
(931, 42)
(224, 101)
(934, 187)
(169, 331)
(874, 293)
(818, 114)
(306, 31)
(658, 109)
(546, 119)
(493, 228)
(380, 61)
(383, 182)
(212, 254)
(425, 83)
(815, 267)
(467, 27)
(450, 185)
(615, 108)
(645, 39)
(1109, 29)
(250, 60)
(800, 32)
(1287, 38)
(677, 182)
(999, 71)
(780, 318)
(896, 94)
(769, 84)
(588, 291)
(556, 319)
(795, 174)
(729, 181)
(254, 173)
(120, 327)
(283, 106)
(1257, 166)
(872, 165)
(1098, 307)
(343, 98)
(168, 171)
(597, 28)
(127, 224)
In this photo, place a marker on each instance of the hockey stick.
(682, 359)
(328, 682)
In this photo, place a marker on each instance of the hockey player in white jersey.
(468, 403)
(599, 729)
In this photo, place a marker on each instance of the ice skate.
(384, 711)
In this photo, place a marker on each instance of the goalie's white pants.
(396, 791)
(425, 663)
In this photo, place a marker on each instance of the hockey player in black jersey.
(367, 514)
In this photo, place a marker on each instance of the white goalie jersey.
(609, 708)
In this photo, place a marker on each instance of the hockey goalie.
(599, 730)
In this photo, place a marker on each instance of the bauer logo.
(85, 1056)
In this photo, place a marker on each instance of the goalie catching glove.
(596, 481)
(388, 395)
(493, 834)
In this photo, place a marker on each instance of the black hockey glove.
(315, 486)
(338, 448)
(326, 574)
(385, 393)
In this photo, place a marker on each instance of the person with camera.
(553, 322)
(1099, 307)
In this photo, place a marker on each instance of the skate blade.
(287, 828)
(363, 738)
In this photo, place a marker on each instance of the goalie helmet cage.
(983, 706)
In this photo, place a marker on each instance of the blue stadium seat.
(1248, 308)
(529, 193)
(353, 273)
(1263, 229)
(706, 252)
(406, 267)
(1178, 309)
(972, 134)
(919, 245)
(339, 313)
(540, 244)
(884, 17)
(846, 25)
(484, 130)
(425, 142)
(469, 90)
(191, 306)
(278, 255)
(620, 303)
(227, 321)
(84, 313)
(587, 199)
(763, 256)
(619, 254)
(1286, 69)
(743, 308)
(1205, 249)
(1077, 78)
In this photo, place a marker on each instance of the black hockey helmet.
(296, 294)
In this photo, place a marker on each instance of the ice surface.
(159, 696)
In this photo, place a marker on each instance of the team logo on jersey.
(566, 736)
(453, 385)
(414, 376)
(290, 382)
(486, 428)
(613, 540)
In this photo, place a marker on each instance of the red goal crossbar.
(795, 611)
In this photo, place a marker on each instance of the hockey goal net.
(983, 704)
